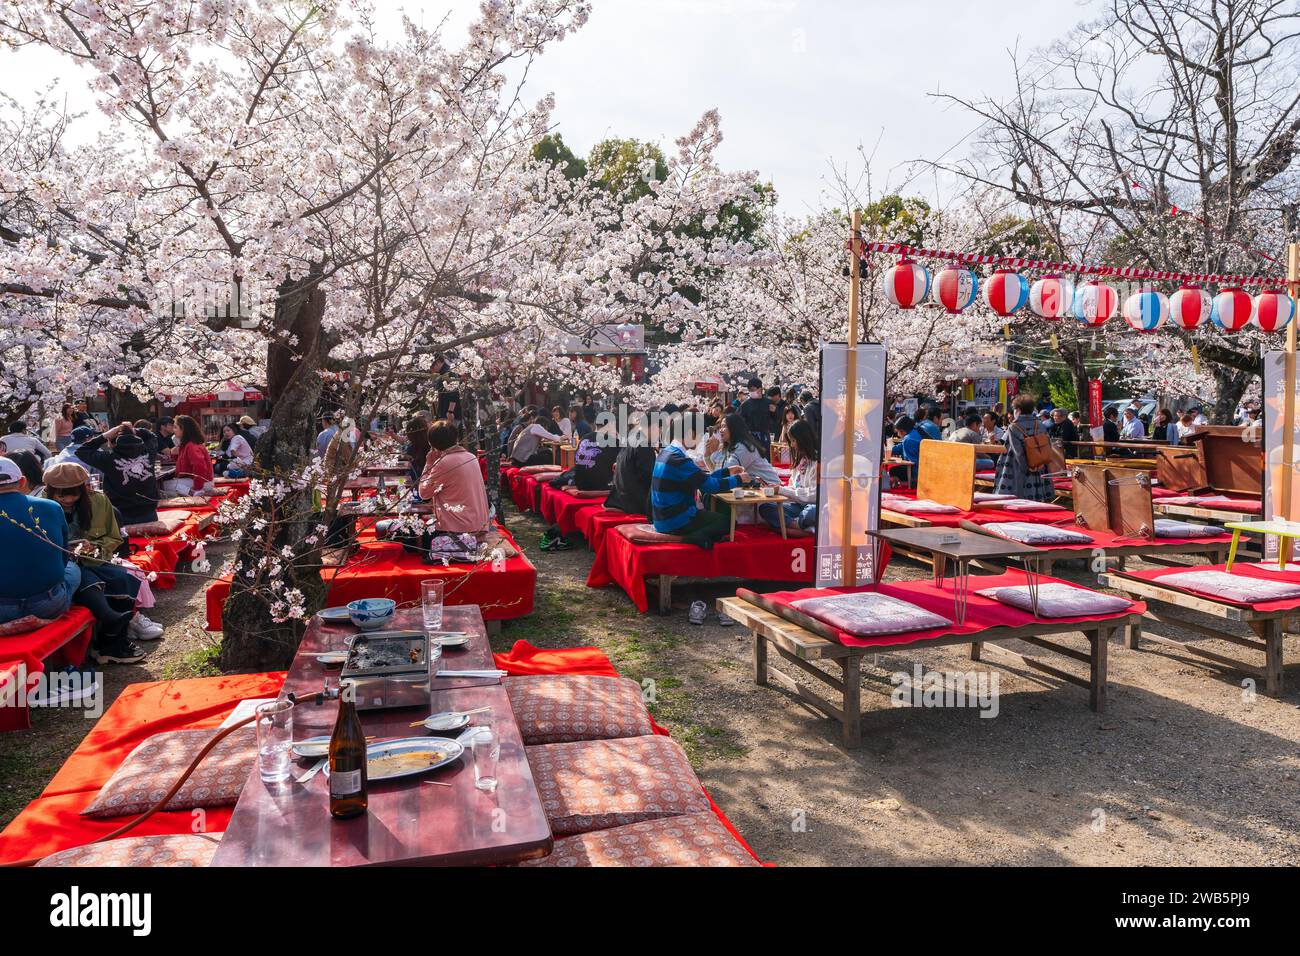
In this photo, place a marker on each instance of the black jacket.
(129, 480)
(630, 489)
(757, 415)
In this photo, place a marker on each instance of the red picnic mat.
(593, 525)
(384, 569)
(757, 554)
(1250, 570)
(563, 509)
(161, 553)
(62, 641)
(981, 613)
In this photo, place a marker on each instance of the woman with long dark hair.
(63, 425)
(193, 466)
(802, 512)
(742, 448)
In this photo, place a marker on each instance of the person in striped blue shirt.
(673, 488)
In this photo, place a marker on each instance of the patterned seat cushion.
(598, 784)
(178, 849)
(693, 839)
(646, 534)
(151, 768)
(558, 709)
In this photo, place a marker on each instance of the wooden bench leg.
(1100, 640)
(976, 650)
(760, 659)
(1272, 635)
(665, 594)
(1134, 634)
(851, 669)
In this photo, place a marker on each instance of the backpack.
(1038, 447)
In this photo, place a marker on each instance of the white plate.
(335, 615)
(332, 658)
(452, 640)
(450, 750)
(312, 747)
(442, 723)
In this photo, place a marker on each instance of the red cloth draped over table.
(161, 553)
(981, 613)
(383, 569)
(757, 554)
(1246, 570)
(523, 490)
(565, 510)
(63, 641)
(594, 524)
(52, 822)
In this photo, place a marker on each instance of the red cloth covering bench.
(594, 524)
(757, 554)
(383, 569)
(52, 822)
(564, 509)
(63, 641)
(161, 553)
(982, 613)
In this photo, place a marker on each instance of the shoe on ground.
(143, 629)
(120, 651)
(725, 621)
(697, 612)
(562, 544)
(70, 685)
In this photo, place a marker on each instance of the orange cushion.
(156, 764)
(646, 534)
(693, 839)
(557, 709)
(598, 784)
(177, 849)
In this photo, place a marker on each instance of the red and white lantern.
(905, 284)
(1274, 310)
(1094, 303)
(1051, 297)
(955, 288)
(1146, 311)
(1006, 291)
(1189, 307)
(1230, 310)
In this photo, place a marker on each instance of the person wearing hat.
(129, 479)
(37, 577)
(109, 591)
(80, 435)
(253, 430)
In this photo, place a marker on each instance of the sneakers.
(67, 686)
(697, 612)
(553, 540)
(143, 629)
(119, 651)
(725, 621)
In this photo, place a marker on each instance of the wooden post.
(850, 556)
(1288, 399)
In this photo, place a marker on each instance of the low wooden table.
(969, 546)
(409, 822)
(1269, 626)
(729, 498)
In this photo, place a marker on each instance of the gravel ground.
(1184, 768)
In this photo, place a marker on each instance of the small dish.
(452, 641)
(334, 615)
(312, 747)
(371, 613)
(442, 723)
(332, 658)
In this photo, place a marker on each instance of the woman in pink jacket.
(453, 482)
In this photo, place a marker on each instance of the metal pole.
(849, 552)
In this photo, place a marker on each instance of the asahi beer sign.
(850, 486)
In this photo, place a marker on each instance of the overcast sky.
(799, 83)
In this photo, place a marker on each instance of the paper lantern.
(1146, 310)
(1189, 307)
(905, 284)
(1230, 310)
(1094, 303)
(955, 288)
(1274, 310)
(1051, 297)
(1006, 291)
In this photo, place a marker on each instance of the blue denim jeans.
(796, 514)
(47, 606)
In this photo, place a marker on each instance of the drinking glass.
(433, 659)
(274, 740)
(431, 592)
(487, 750)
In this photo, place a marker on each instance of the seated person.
(453, 482)
(237, 452)
(578, 424)
(907, 446)
(742, 449)
(193, 464)
(593, 462)
(676, 482)
(109, 591)
(30, 466)
(18, 439)
(533, 444)
(971, 434)
(634, 468)
(129, 478)
(802, 512)
(37, 576)
(80, 435)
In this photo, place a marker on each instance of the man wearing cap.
(37, 577)
(250, 426)
(80, 435)
(327, 432)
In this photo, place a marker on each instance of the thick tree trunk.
(252, 639)
(1232, 384)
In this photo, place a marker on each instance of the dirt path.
(1184, 768)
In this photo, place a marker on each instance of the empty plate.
(312, 747)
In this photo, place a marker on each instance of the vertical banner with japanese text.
(1275, 469)
(854, 484)
(1094, 402)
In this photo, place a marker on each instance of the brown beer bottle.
(347, 758)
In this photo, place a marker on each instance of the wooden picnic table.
(409, 822)
(729, 498)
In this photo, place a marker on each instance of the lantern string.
(1018, 262)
